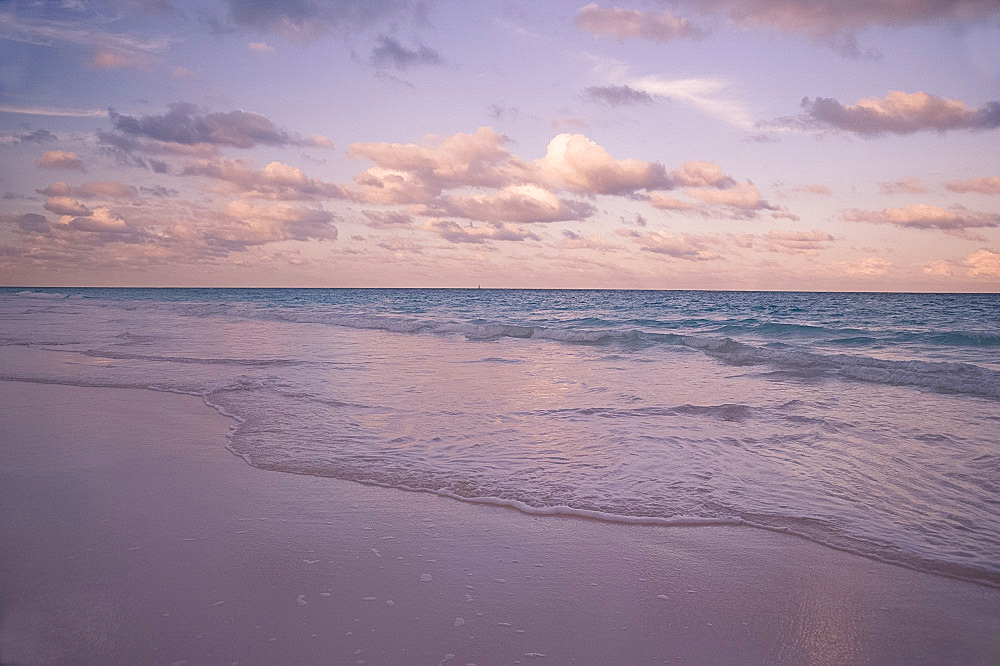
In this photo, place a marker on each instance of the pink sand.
(131, 535)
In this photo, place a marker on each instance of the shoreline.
(132, 534)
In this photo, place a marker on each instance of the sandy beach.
(131, 535)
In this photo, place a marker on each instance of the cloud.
(820, 190)
(667, 202)
(835, 22)
(112, 60)
(744, 196)
(621, 24)
(503, 112)
(275, 181)
(66, 206)
(822, 17)
(410, 173)
(575, 163)
(390, 53)
(689, 247)
(29, 222)
(521, 191)
(705, 94)
(50, 111)
(91, 190)
(187, 125)
(870, 266)
(111, 48)
(900, 113)
(807, 242)
(387, 219)
(182, 73)
(985, 263)
(261, 47)
(701, 174)
(514, 203)
(306, 20)
(938, 269)
(60, 159)
(247, 224)
(574, 241)
(455, 233)
(617, 95)
(988, 185)
(956, 220)
(101, 220)
(904, 186)
(35, 136)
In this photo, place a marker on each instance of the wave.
(478, 491)
(41, 294)
(123, 356)
(944, 376)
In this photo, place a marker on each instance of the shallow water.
(867, 422)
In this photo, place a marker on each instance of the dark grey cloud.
(388, 52)
(37, 136)
(159, 191)
(617, 95)
(187, 124)
(503, 112)
(32, 223)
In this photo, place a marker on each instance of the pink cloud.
(410, 173)
(514, 203)
(985, 263)
(66, 206)
(744, 196)
(689, 247)
(901, 113)
(904, 186)
(386, 219)
(955, 220)
(112, 60)
(667, 202)
(575, 163)
(60, 159)
(100, 220)
(91, 190)
(819, 190)
(621, 24)
(797, 241)
(701, 174)
(870, 266)
(574, 241)
(989, 185)
(275, 181)
(455, 233)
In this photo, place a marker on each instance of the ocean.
(866, 422)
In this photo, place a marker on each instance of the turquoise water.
(867, 422)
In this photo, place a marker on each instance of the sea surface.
(865, 422)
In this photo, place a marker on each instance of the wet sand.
(129, 534)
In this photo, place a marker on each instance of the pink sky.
(728, 144)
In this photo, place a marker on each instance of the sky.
(841, 145)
